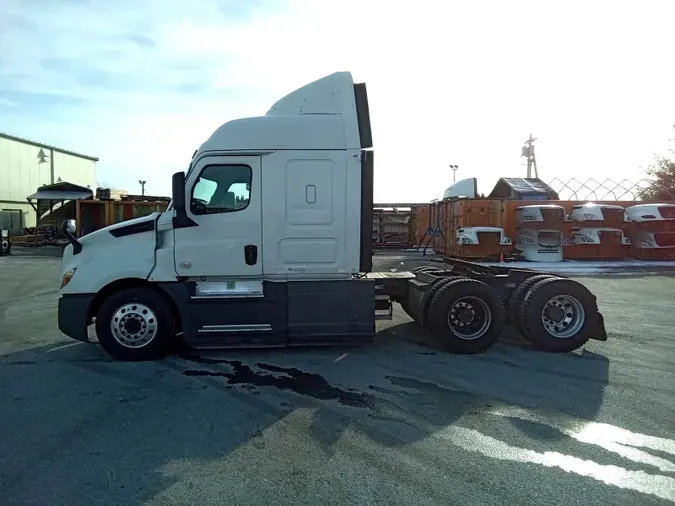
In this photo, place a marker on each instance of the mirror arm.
(182, 220)
(77, 245)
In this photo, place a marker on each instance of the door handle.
(251, 254)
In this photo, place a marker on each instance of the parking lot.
(396, 422)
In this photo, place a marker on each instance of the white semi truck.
(268, 242)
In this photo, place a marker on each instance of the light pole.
(454, 172)
(142, 183)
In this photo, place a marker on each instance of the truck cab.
(262, 244)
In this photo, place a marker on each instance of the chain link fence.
(608, 189)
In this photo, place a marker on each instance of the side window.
(221, 189)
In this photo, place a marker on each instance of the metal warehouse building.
(25, 166)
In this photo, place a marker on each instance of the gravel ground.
(397, 422)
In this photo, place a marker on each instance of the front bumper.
(74, 315)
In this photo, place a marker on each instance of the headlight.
(68, 276)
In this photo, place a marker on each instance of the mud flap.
(600, 334)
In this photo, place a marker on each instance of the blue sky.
(141, 84)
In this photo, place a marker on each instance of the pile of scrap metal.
(42, 236)
(46, 236)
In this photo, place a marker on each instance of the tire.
(427, 299)
(143, 324)
(425, 268)
(429, 296)
(558, 315)
(485, 310)
(516, 298)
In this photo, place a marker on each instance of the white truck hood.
(105, 235)
(125, 250)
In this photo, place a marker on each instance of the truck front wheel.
(135, 324)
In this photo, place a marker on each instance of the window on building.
(222, 189)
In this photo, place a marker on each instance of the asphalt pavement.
(396, 422)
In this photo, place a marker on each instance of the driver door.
(223, 198)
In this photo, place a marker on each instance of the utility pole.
(142, 183)
(528, 152)
(454, 171)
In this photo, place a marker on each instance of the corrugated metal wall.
(74, 170)
(23, 171)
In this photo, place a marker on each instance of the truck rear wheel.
(512, 311)
(559, 315)
(428, 297)
(426, 268)
(467, 315)
(135, 324)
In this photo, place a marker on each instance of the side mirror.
(69, 226)
(178, 192)
(181, 219)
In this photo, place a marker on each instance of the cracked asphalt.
(396, 422)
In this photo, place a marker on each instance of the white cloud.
(449, 82)
(7, 102)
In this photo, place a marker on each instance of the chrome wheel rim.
(563, 316)
(134, 325)
(469, 318)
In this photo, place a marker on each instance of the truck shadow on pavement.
(441, 388)
(65, 406)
